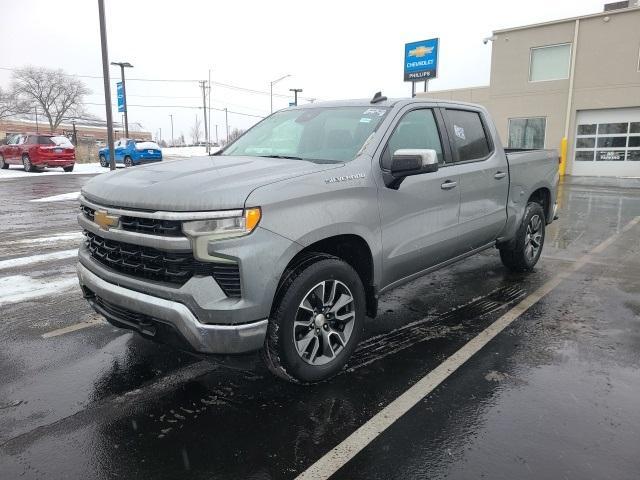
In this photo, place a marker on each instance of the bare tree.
(196, 131)
(10, 104)
(235, 133)
(57, 94)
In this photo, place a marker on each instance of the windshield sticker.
(459, 131)
(365, 120)
(375, 111)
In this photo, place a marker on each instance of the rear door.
(419, 220)
(484, 176)
(119, 148)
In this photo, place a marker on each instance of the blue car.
(132, 152)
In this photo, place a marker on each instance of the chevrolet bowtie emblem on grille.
(104, 220)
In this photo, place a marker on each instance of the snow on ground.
(61, 237)
(170, 153)
(16, 171)
(58, 198)
(18, 288)
(45, 257)
(187, 151)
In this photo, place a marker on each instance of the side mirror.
(408, 161)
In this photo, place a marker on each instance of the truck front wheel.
(26, 163)
(316, 322)
(523, 253)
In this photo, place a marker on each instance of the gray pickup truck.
(284, 240)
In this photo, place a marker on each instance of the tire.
(103, 161)
(26, 162)
(304, 346)
(128, 162)
(523, 253)
(3, 164)
(68, 169)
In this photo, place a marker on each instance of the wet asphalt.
(555, 395)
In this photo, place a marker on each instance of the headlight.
(224, 227)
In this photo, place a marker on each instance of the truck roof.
(366, 102)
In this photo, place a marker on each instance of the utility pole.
(209, 115)
(172, 138)
(107, 86)
(203, 84)
(226, 121)
(160, 134)
(295, 91)
(37, 127)
(217, 141)
(122, 66)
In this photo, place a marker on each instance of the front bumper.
(203, 338)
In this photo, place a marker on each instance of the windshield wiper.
(289, 157)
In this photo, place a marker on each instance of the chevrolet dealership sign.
(421, 60)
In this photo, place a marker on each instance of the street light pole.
(107, 86)
(172, 140)
(295, 91)
(273, 82)
(122, 66)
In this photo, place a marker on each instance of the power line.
(219, 84)
(179, 106)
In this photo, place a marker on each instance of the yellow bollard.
(563, 156)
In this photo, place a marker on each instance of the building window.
(527, 132)
(550, 63)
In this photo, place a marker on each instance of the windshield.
(323, 134)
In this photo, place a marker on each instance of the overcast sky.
(332, 49)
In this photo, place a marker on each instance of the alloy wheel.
(324, 322)
(533, 237)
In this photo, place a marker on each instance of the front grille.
(151, 226)
(152, 264)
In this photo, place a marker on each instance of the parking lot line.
(45, 257)
(74, 328)
(332, 461)
(58, 198)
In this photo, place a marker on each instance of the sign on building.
(120, 95)
(421, 60)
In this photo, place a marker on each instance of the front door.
(419, 220)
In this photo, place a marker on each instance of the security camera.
(488, 39)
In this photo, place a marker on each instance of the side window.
(31, 140)
(20, 140)
(417, 129)
(469, 138)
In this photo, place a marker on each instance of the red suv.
(36, 151)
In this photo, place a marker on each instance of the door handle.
(448, 185)
(500, 175)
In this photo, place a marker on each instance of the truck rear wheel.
(3, 165)
(68, 169)
(103, 161)
(523, 253)
(317, 320)
(128, 162)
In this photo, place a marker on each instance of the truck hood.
(194, 184)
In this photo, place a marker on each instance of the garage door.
(607, 143)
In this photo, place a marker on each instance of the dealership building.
(575, 78)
